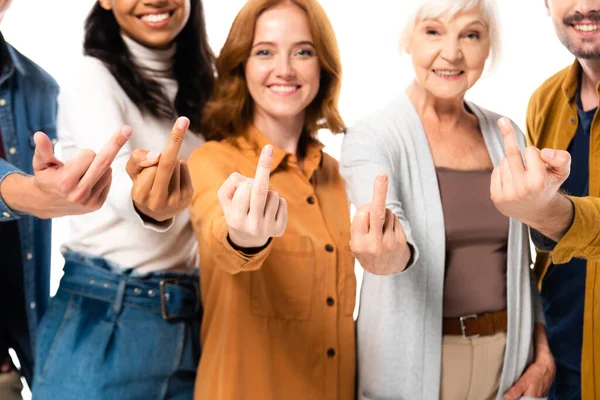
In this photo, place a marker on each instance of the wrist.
(18, 192)
(245, 241)
(555, 218)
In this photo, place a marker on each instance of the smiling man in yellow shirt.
(562, 116)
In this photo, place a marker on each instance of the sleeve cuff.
(7, 213)
(581, 233)
(541, 242)
(150, 224)
(232, 259)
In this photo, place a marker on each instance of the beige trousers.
(10, 386)
(471, 368)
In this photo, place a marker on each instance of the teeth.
(448, 73)
(587, 27)
(155, 17)
(284, 89)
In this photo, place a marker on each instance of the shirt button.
(29, 256)
(2, 102)
(32, 305)
(329, 248)
(330, 301)
(12, 150)
(330, 353)
(310, 200)
(573, 120)
(54, 141)
(5, 214)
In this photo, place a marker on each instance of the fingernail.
(503, 121)
(126, 131)
(268, 150)
(182, 122)
(548, 153)
(249, 181)
(152, 155)
(382, 178)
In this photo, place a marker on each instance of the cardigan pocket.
(283, 287)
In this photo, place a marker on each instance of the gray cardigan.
(400, 317)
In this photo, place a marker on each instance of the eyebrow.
(302, 43)
(476, 22)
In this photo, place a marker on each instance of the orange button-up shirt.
(278, 324)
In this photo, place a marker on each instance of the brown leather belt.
(475, 325)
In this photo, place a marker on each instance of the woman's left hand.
(538, 377)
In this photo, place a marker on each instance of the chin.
(447, 95)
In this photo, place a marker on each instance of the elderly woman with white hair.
(449, 308)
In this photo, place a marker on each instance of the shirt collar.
(253, 142)
(570, 85)
(9, 61)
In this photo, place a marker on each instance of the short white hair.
(432, 9)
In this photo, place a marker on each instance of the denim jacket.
(27, 105)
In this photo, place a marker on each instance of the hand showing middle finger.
(161, 191)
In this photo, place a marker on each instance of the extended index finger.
(169, 158)
(106, 156)
(260, 188)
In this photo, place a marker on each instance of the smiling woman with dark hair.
(130, 284)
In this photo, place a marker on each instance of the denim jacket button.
(32, 305)
(12, 151)
(5, 214)
(2, 102)
(29, 256)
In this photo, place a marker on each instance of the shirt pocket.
(283, 287)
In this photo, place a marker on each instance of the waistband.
(173, 295)
(476, 325)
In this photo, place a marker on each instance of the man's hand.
(529, 191)
(161, 191)
(57, 189)
(253, 212)
(377, 239)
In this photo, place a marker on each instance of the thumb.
(517, 390)
(559, 162)
(139, 160)
(44, 155)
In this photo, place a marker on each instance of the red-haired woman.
(277, 275)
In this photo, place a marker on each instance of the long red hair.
(229, 111)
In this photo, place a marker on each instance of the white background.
(51, 32)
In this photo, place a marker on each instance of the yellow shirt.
(278, 324)
(552, 121)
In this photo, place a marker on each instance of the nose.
(284, 68)
(156, 3)
(588, 6)
(451, 50)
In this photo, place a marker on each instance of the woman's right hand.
(162, 186)
(377, 238)
(253, 213)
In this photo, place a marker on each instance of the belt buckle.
(463, 328)
(163, 300)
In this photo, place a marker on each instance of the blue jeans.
(112, 334)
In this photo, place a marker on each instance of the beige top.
(476, 244)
